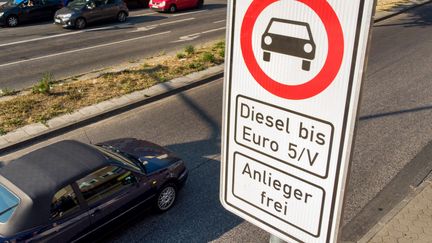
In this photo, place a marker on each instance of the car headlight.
(307, 48)
(1, 14)
(65, 16)
(268, 40)
(162, 4)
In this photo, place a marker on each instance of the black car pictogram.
(289, 37)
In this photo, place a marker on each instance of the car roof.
(38, 175)
(56, 165)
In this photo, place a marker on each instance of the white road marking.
(220, 21)
(194, 12)
(196, 35)
(83, 49)
(64, 34)
(150, 27)
(213, 30)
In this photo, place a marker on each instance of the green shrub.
(222, 53)
(44, 84)
(189, 50)
(208, 57)
(220, 45)
(196, 65)
(181, 55)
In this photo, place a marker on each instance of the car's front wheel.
(121, 16)
(80, 23)
(172, 8)
(166, 197)
(12, 21)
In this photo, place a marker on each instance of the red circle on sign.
(331, 66)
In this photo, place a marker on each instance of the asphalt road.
(394, 129)
(29, 51)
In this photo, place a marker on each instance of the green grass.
(44, 84)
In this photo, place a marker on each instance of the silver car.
(79, 13)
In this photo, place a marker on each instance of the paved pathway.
(410, 222)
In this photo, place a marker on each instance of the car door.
(190, 3)
(36, 12)
(181, 4)
(99, 10)
(69, 217)
(110, 9)
(111, 191)
(92, 12)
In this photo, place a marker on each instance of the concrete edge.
(383, 15)
(392, 213)
(31, 134)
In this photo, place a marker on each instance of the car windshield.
(289, 30)
(119, 156)
(13, 3)
(8, 203)
(78, 3)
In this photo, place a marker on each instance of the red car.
(174, 5)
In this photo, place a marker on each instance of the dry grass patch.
(50, 99)
(385, 5)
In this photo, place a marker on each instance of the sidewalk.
(410, 221)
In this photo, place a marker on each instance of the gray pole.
(275, 239)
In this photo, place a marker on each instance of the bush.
(208, 57)
(220, 45)
(44, 84)
(196, 65)
(189, 50)
(222, 53)
(181, 55)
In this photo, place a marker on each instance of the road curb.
(383, 15)
(392, 213)
(34, 133)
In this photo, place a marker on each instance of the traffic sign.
(291, 91)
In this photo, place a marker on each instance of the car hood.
(158, 1)
(153, 156)
(67, 10)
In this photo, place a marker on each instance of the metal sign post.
(291, 91)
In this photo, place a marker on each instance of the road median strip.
(55, 106)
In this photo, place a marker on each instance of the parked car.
(14, 12)
(79, 13)
(290, 38)
(174, 5)
(64, 191)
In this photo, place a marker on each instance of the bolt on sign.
(291, 91)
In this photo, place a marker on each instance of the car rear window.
(289, 30)
(8, 204)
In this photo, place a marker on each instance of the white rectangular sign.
(292, 83)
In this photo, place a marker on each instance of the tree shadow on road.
(393, 113)
(198, 215)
